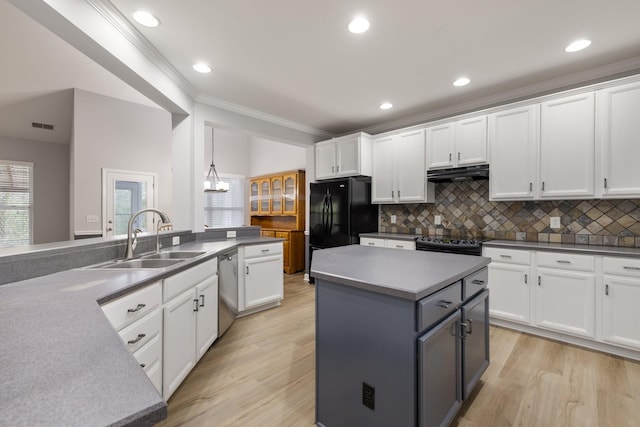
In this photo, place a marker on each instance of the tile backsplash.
(467, 212)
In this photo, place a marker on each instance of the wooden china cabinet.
(277, 205)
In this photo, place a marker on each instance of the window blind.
(225, 209)
(16, 203)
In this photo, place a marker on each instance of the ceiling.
(296, 60)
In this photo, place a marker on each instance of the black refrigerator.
(339, 210)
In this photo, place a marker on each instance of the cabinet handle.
(530, 186)
(505, 256)
(450, 158)
(265, 250)
(371, 244)
(399, 246)
(444, 304)
(338, 168)
(539, 281)
(458, 155)
(138, 308)
(398, 194)
(631, 268)
(392, 194)
(561, 261)
(606, 290)
(195, 307)
(542, 185)
(333, 169)
(605, 183)
(477, 282)
(247, 269)
(470, 326)
(525, 279)
(201, 300)
(137, 340)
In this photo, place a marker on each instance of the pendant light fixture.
(213, 183)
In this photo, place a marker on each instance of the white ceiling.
(296, 60)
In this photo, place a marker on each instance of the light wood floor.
(261, 373)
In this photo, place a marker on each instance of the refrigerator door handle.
(330, 214)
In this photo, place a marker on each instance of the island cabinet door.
(439, 373)
(475, 341)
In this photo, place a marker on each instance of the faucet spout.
(163, 218)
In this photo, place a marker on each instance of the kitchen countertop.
(404, 274)
(565, 247)
(390, 236)
(61, 361)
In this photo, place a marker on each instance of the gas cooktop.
(457, 246)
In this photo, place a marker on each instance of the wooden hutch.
(277, 205)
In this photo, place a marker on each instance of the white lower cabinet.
(262, 282)
(388, 243)
(190, 322)
(590, 300)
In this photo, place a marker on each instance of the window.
(225, 209)
(16, 203)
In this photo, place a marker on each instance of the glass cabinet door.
(265, 197)
(290, 194)
(254, 196)
(276, 195)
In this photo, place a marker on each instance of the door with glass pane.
(124, 194)
(276, 195)
(290, 195)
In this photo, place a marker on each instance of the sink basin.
(141, 263)
(173, 255)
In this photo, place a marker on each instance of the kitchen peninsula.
(401, 336)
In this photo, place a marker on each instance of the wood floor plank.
(262, 373)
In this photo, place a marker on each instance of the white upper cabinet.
(344, 156)
(567, 147)
(513, 145)
(399, 169)
(459, 143)
(617, 141)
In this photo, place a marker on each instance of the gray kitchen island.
(402, 337)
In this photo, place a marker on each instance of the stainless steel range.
(453, 246)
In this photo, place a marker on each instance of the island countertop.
(401, 273)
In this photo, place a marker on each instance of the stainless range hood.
(466, 173)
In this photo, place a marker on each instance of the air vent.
(41, 126)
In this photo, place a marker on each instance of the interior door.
(125, 193)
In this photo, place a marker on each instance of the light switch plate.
(231, 234)
(555, 222)
(393, 219)
(437, 219)
(175, 240)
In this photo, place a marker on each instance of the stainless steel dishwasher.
(227, 290)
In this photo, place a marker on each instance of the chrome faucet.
(163, 217)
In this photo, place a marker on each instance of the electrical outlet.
(393, 219)
(231, 234)
(175, 240)
(555, 222)
(368, 396)
(437, 219)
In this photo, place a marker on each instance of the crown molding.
(256, 114)
(119, 22)
(594, 75)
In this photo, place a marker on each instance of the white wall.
(269, 156)
(116, 134)
(232, 151)
(50, 184)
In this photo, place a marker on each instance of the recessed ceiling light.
(577, 45)
(386, 105)
(201, 67)
(358, 25)
(462, 81)
(145, 18)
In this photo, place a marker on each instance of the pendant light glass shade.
(212, 182)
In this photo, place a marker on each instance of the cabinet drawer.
(474, 283)
(180, 282)
(438, 305)
(282, 235)
(400, 244)
(150, 354)
(268, 233)
(131, 307)
(369, 241)
(262, 250)
(623, 266)
(137, 334)
(566, 261)
(511, 256)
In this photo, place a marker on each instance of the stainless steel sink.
(173, 255)
(139, 263)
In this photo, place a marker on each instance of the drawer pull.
(444, 304)
(399, 246)
(138, 308)
(561, 261)
(631, 268)
(371, 244)
(606, 290)
(264, 250)
(137, 340)
(142, 365)
(477, 282)
(201, 300)
(505, 256)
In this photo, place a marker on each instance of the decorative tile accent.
(467, 213)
